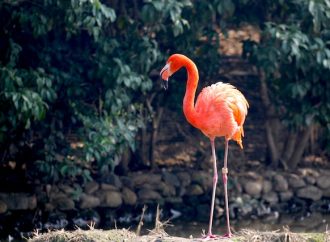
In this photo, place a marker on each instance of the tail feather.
(238, 136)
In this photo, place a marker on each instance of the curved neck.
(189, 98)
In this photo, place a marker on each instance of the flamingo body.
(219, 111)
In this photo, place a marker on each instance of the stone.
(127, 182)
(309, 192)
(252, 175)
(40, 193)
(323, 182)
(218, 211)
(49, 207)
(295, 181)
(140, 179)
(280, 183)
(326, 193)
(174, 200)
(108, 187)
(269, 173)
(202, 178)
(166, 189)
(91, 187)
(129, 197)
(246, 209)
(19, 201)
(194, 190)
(267, 186)
(310, 180)
(146, 194)
(114, 180)
(63, 203)
(182, 191)
(271, 198)
(286, 196)
(148, 186)
(52, 189)
(3, 207)
(112, 199)
(184, 177)
(56, 194)
(89, 201)
(66, 189)
(325, 172)
(171, 179)
(253, 188)
(32, 202)
(321, 205)
(238, 188)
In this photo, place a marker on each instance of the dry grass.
(114, 235)
(124, 235)
(282, 236)
(158, 234)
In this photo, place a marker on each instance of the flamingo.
(219, 111)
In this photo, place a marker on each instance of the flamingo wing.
(226, 104)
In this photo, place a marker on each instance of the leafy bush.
(294, 57)
(76, 74)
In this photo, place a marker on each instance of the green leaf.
(108, 12)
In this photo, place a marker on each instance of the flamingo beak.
(165, 74)
(165, 84)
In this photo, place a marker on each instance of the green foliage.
(78, 80)
(75, 74)
(294, 53)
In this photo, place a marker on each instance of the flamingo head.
(173, 64)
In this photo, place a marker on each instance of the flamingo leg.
(225, 178)
(215, 180)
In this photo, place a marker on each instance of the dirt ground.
(123, 235)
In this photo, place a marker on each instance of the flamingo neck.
(189, 98)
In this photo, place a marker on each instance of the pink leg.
(215, 180)
(224, 178)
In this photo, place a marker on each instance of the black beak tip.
(165, 84)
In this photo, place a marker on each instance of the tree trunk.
(125, 159)
(144, 140)
(154, 136)
(301, 143)
(156, 118)
(288, 149)
(274, 154)
(270, 121)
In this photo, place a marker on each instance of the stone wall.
(186, 191)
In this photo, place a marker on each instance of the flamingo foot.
(213, 236)
(227, 235)
(210, 237)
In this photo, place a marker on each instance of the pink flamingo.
(220, 110)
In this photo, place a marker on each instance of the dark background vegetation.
(80, 92)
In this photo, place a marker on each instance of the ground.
(121, 235)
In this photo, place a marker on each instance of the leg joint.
(224, 170)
